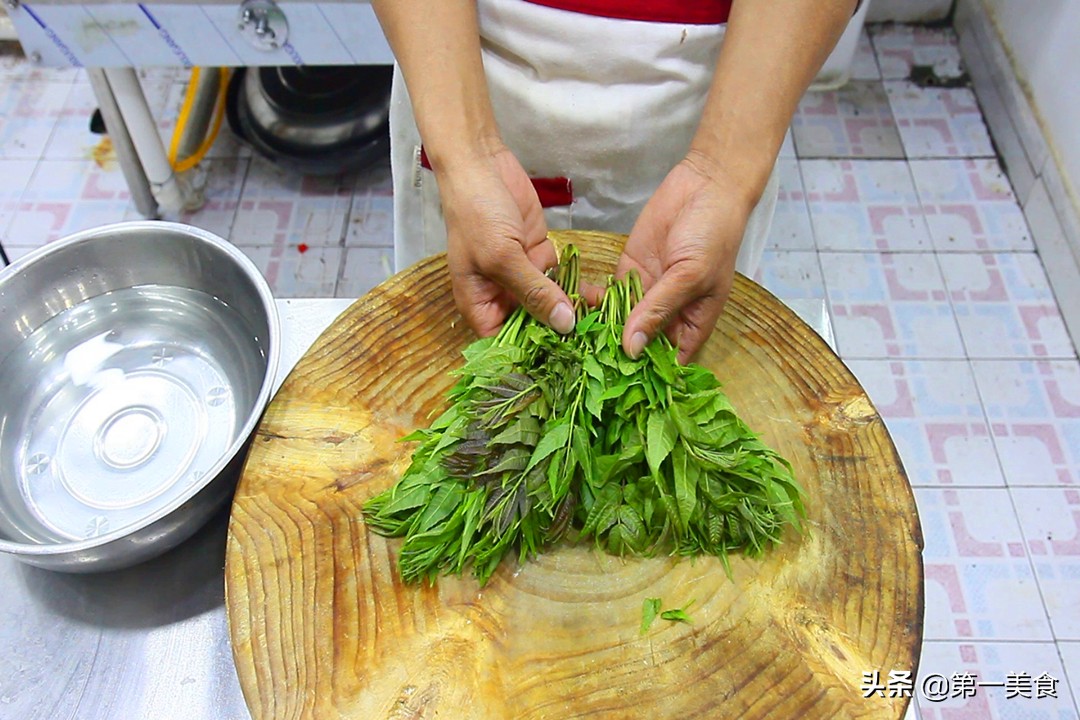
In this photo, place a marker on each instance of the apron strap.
(551, 191)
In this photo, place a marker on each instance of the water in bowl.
(117, 407)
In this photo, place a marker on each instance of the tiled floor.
(893, 208)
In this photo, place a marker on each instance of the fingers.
(483, 305)
(593, 294)
(694, 325)
(662, 302)
(511, 268)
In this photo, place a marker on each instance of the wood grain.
(322, 628)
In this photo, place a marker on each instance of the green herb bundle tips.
(550, 435)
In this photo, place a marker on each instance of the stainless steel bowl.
(135, 362)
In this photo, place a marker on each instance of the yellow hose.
(181, 122)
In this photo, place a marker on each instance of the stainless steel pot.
(320, 120)
(135, 362)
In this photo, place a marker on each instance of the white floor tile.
(864, 205)
(899, 48)
(952, 682)
(1004, 306)
(979, 581)
(970, 206)
(890, 305)
(293, 273)
(791, 228)
(1070, 658)
(1050, 521)
(935, 418)
(1033, 407)
(938, 122)
(365, 267)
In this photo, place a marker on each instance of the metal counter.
(149, 642)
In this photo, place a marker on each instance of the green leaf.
(687, 428)
(676, 615)
(556, 435)
(406, 499)
(660, 438)
(421, 434)
(477, 348)
(663, 360)
(445, 501)
(593, 403)
(650, 608)
(587, 323)
(583, 455)
(473, 509)
(524, 431)
(686, 475)
(513, 460)
(633, 527)
(592, 368)
(617, 390)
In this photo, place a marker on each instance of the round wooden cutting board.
(322, 627)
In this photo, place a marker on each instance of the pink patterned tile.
(979, 582)
(900, 47)
(65, 196)
(864, 65)
(1004, 306)
(1070, 658)
(1033, 407)
(295, 272)
(864, 205)
(890, 305)
(365, 267)
(791, 274)
(371, 222)
(279, 207)
(1050, 521)
(791, 228)
(28, 112)
(938, 122)
(935, 418)
(969, 205)
(854, 121)
(993, 681)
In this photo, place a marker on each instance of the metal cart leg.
(137, 183)
(167, 188)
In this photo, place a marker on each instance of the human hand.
(684, 246)
(497, 246)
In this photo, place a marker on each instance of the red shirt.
(687, 12)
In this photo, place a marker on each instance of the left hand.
(684, 246)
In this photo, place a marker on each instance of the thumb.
(661, 304)
(541, 296)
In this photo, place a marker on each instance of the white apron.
(609, 104)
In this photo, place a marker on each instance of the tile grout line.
(1012, 501)
(343, 240)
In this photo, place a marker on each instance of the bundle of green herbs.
(551, 435)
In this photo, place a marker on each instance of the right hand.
(497, 246)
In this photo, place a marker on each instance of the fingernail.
(562, 318)
(637, 343)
